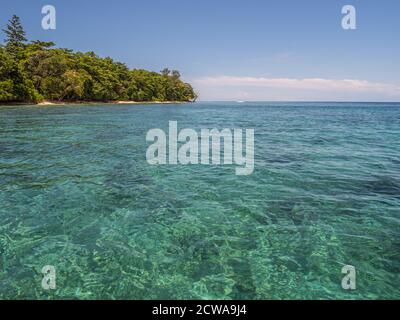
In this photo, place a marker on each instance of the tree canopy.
(36, 70)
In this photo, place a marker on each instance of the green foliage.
(35, 71)
(14, 83)
(15, 34)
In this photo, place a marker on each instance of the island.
(36, 72)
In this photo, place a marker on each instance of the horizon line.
(312, 101)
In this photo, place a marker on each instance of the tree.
(175, 74)
(40, 45)
(74, 84)
(14, 83)
(6, 84)
(30, 72)
(165, 72)
(15, 33)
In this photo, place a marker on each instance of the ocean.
(77, 193)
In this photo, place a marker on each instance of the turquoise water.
(77, 193)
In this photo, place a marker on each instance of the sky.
(234, 49)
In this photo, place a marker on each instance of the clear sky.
(238, 49)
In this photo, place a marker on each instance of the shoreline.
(70, 103)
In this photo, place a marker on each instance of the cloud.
(254, 88)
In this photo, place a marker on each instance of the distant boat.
(240, 101)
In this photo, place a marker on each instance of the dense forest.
(36, 71)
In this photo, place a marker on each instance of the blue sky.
(238, 50)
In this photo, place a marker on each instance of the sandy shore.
(55, 103)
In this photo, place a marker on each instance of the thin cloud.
(291, 88)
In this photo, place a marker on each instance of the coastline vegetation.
(36, 71)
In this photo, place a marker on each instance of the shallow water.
(77, 193)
